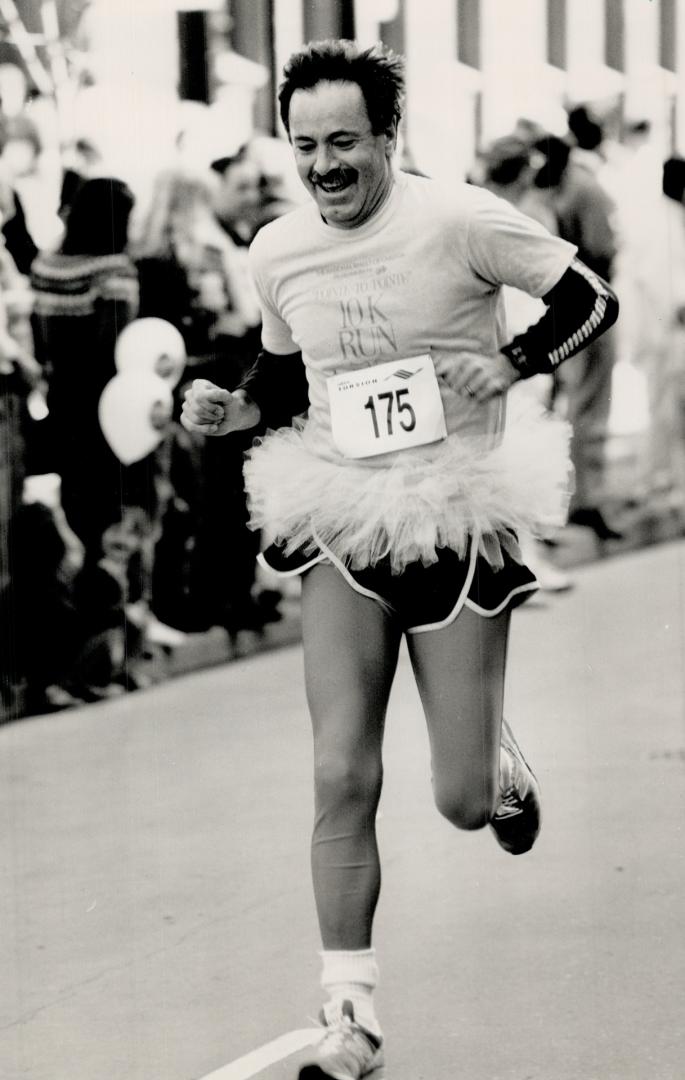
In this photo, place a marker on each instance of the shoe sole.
(315, 1072)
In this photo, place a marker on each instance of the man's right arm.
(272, 393)
(277, 384)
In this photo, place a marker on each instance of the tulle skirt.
(421, 500)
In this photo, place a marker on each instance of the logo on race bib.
(401, 373)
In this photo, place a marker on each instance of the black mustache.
(331, 177)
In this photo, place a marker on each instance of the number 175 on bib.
(387, 407)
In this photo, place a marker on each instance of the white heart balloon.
(153, 345)
(134, 412)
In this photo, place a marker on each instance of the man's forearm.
(250, 413)
(580, 308)
(277, 386)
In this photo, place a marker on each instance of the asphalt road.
(156, 918)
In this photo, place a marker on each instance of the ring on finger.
(470, 391)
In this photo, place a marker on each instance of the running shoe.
(346, 1051)
(516, 822)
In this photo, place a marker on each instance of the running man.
(400, 497)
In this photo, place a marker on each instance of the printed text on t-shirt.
(365, 331)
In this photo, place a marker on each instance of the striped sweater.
(72, 284)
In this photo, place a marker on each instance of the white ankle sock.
(351, 974)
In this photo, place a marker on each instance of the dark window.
(556, 32)
(667, 34)
(614, 42)
(328, 19)
(252, 36)
(392, 33)
(468, 32)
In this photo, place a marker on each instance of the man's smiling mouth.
(333, 184)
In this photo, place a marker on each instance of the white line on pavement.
(253, 1063)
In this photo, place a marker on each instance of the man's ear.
(391, 139)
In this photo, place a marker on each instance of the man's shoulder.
(449, 207)
(459, 200)
(281, 233)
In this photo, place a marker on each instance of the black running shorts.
(423, 597)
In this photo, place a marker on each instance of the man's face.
(344, 166)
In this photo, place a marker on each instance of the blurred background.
(140, 152)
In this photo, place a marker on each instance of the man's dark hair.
(377, 71)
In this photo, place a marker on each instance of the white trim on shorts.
(532, 586)
(325, 555)
(461, 599)
(340, 566)
(298, 569)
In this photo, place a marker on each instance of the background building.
(474, 66)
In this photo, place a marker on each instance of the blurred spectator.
(80, 161)
(15, 383)
(84, 295)
(656, 283)
(19, 377)
(13, 149)
(190, 272)
(280, 188)
(45, 559)
(238, 203)
(507, 168)
(193, 273)
(583, 212)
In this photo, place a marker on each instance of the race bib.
(386, 407)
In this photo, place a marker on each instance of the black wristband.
(519, 359)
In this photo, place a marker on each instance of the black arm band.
(278, 386)
(580, 307)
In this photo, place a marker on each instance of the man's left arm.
(580, 307)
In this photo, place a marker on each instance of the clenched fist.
(210, 410)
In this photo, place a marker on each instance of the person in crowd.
(657, 345)
(191, 275)
(19, 375)
(399, 497)
(81, 160)
(508, 169)
(194, 275)
(280, 189)
(17, 238)
(584, 217)
(238, 202)
(84, 295)
(46, 558)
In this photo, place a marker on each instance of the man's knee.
(344, 782)
(467, 809)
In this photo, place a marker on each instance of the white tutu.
(418, 501)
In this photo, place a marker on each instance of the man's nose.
(324, 160)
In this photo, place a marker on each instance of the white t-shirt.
(423, 275)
